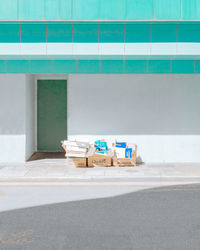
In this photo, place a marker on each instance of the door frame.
(47, 77)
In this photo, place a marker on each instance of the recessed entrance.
(51, 114)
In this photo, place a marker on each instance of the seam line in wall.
(181, 9)
(124, 48)
(6, 66)
(170, 65)
(46, 38)
(20, 33)
(99, 42)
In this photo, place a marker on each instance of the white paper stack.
(120, 152)
(75, 148)
(131, 145)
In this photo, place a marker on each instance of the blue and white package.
(128, 153)
(120, 144)
(101, 145)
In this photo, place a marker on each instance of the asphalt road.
(154, 219)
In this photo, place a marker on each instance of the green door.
(51, 114)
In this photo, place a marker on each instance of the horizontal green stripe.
(102, 32)
(101, 67)
(100, 10)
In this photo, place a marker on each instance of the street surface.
(100, 218)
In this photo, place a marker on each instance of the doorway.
(51, 115)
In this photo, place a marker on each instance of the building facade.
(113, 69)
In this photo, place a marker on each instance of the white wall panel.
(59, 48)
(158, 112)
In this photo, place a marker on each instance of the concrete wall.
(12, 118)
(158, 112)
(30, 115)
(161, 113)
(17, 117)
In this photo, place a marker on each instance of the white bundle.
(120, 152)
(76, 149)
(75, 154)
(76, 144)
(131, 145)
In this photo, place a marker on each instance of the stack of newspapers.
(75, 148)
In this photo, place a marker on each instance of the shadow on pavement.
(159, 218)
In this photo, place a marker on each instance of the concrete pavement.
(64, 171)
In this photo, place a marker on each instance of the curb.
(112, 181)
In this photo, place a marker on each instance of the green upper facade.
(93, 10)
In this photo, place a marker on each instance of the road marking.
(18, 238)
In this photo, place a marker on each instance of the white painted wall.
(12, 118)
(17, 117)
(158, 112)
(161, 113)
(30, 111)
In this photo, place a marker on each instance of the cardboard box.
(80, 162)
(123, 162)
(99, 160)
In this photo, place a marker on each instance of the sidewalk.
(64, 171)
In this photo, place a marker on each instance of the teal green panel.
(92, 67)
(86, 10)
(85, 33)
(189, 33)
(31, 10)
(33, 33)
(159, 66)
(86, 57)
(167, 9)
(197, 66)
(62, 57)
(65, 66)
(111, 66)
(51, 114)
(135, 66)
(13, 57)
(17, 66)
(136, 57)
(191, 9)
(137, 33)
(160, 57)
(9, 33)
(51, 10)
(8, 10)
(58, 9)
(65, 9)
(2, 67)
(183, 67)
(165, 33)
(42, 66)
(139, 9)
(111, 33)
(111, 57)
(112, 9)
(59, 33)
